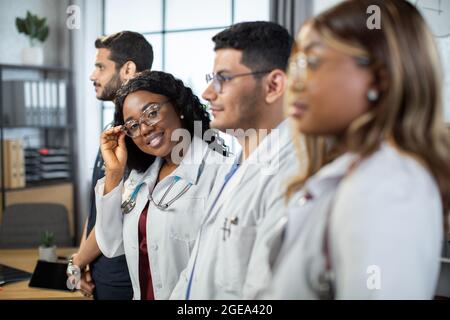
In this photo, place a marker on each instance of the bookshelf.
(37, 112)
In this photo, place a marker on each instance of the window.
(180, 32)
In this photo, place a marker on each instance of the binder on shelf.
(11, 172)
(7, 169)
(54, 104)
(19, 163)
(62, 103)
(28, 103)
(34, 104)
(48, 94)
(7, 103)
(14, 166)
(15, 98)
(19, 102)
(41, 105)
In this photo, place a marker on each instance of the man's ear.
(128, 70)
(275, 85)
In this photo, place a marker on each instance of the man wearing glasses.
(118, 58)
(230, 259)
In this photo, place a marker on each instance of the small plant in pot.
(36, 29)
(47, 249)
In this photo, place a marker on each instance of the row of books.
(34, 103)
(13, 164)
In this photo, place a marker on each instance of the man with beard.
(118, 58)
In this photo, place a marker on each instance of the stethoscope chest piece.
(128, 205)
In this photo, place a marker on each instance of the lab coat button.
(154, 247)
(159, 286)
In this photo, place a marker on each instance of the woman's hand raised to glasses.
(114, 153)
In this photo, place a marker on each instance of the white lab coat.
(170, 233)
(238, 266)
(385, 231)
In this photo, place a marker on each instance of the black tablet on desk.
(49, 275)
(10, 274)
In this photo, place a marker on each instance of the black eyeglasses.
(218, 79)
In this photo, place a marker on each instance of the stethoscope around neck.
(129, 204)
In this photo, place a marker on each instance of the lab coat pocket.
(185, 223)
(233, 257)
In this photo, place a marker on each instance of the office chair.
(23, 225)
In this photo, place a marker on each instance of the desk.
(25, 259)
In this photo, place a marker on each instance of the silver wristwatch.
(72, 269)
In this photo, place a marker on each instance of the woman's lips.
(215, 110)
(155, 140)
(298, 109)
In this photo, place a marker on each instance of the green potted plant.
(36, 29)
(47, 249)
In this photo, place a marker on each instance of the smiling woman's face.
(331, 90)
(156, 139)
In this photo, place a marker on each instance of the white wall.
(56, 48)
(321, 5)
(87, 106)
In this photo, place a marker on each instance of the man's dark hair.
(182, 98)
(128, 46)
(264, 45)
